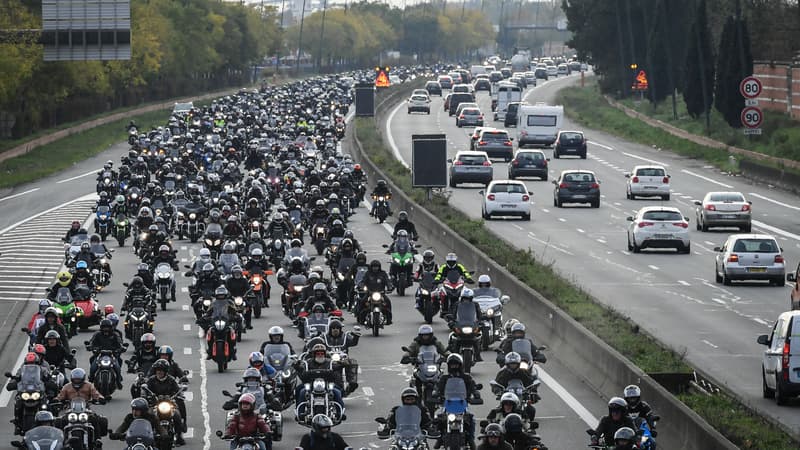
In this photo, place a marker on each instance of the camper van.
(538, 124)
(505, 93)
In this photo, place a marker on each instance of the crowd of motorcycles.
(254, 178)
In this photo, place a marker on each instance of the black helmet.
(403, 216)
(139, 404)
(137, 282)
(409, 393)
(382, 183)
(518, 330)
(455, 363)
(221, 292)
(361, 258)
(493, 430)
(427, 256)
(105, 323)
(375, 266)
(44, 418)
(85, 246)
(160, 364)
(624, 438)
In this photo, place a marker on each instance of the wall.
(781, 86)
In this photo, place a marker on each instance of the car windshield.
(579, 177)
(650, 172)
(511, 188)
(472, 160)
(752, 245)
(663, 215)
(495, 136)
(571, 137)
(471, 112)
(726, 197)
(531, 156)
(419, 98)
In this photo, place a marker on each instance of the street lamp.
(300, 39)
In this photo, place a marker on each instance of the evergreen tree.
(699, 78)
(659, 57)
(735, 62)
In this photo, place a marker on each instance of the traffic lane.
(21, 202)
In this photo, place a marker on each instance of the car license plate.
(579, 196)
(728, 216)
(508, 206)
(663, 236)
(757, 269)
(651, 187)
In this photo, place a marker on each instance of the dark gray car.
(496, 143)
(470, 167)
(576, 186)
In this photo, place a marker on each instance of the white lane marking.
(580, 231)
(653, 267)
(190, 375)
(18, 195)
(184, 290)
(389, 136)
(79, 176)
(189, 433)
(709, 343)
(568, 398)
(602, 241)
(761, 321)
(721, 302)
(549, 245)
(785, 205)
(710, 243)
(368, 391)
(561, 219)
(683, 283)
(187, 327)
(37, 215)
(517, 227)
(689, 172)
(776, 230)
(545, 210)
(204, 399)
(388, 227)
(651, 161)
(600, 145)
(187, 350)
(185, 307)
(5, 396)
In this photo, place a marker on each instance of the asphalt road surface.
(674, 297)
(568, 406)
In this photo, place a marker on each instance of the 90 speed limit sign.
(752, 117)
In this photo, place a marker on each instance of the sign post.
(640, 83)
(751, 116)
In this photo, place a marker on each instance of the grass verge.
(587, 106)
(738, 424)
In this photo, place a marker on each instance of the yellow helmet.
(64, 278)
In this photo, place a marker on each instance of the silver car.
(659, 227)
(750, 257)
(470, 167)
(724, 209)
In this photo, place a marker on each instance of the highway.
(568, 406)
(673, 297)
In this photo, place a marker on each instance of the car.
(463, 105)
(506, 198)
(528, 163)
(576, 186)
(659, 227)
(647, 181)
(446, 102)
(750, 257)
(510, 119)
(456, 98)
(724, 209)
(584, 67)
(541, 73)
(794, 295)
(445, 81)
(419, 103)
(421, 92)
(562, 69)
(395, 79)
(574, 66)
(433, 87)
(463, 88)
(469, 117)
(470, 167)
(466, 76)
(519, 81)
(570, 143)
(506, 71)
(780, 364)
(530, 78)
(482, 84)
(496, 143)
(181, 108)
(476, 134)
(552, 71)
(495, 76)
(457, 78)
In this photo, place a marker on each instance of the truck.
(539, 124)
(521, 62)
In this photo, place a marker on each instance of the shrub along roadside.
(722, 412)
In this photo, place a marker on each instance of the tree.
(659, 61)
(698, 86)
(735, 62)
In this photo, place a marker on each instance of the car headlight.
(490, 312)
(466, 330)
(164, 408)
(376, 296)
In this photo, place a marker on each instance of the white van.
(505, 93)
(538, 124)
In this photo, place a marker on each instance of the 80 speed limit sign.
(752, 117)
(750, 87)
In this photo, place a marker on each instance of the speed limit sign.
(750, 87)
(752, 117)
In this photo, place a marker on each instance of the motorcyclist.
(74, 229)
(162, 384)
(51, 323)
(321, 437)
(237, 284)
(408, 397)
(278, 228)
(256, 361)
(625, 439)
(348, 234)
(44, 425)
(275, 336)
(617, 418)
(106, 339)
(638, 407)
(222, 307)
(232, 228)
(228, 259)
(336, 337)
(81, 277)
(78, 387)
(485, 287)
(517, 332)
(451, 263)
(165, 353)
(336, 230)
(424, 337)
(85, 254)
(137, 295)
(144, 356)
(63, 280)
(465, 300)
(38, 319)
(427, 265)
(208, 281)
(56, 354)
(246, 422)
(203, 258)
(375, 280)
(318, 361)
(144, 218)
(493, 438)
(257, 261)
(510, 404)
(404, 224)
(143, 272)
(164, 255)
(253, 211)
(381, 190)
(320, 297)
(455, 369)
(512, 371)
(139, 410)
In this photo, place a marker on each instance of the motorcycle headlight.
(217, 242)
(298, 288)
(424, 291)
(103, 217)
(286, 373)
(431, 368)
(238, 301)
(466, 330)
(209, 242)
(143, 236)
(335, 357)
(219, 324)
(340, 276)
(523, 365)
(451, 417)
(83, 417)
(104, 261)
(36, 396)
(123, 223)
(72, 417)
(25, 396)
(397, 260)
(164, 408)
(134, 195)
(376, 296)
(192, 216)
(490, 312)
(163, 275)
(206, 302)
(158, 212)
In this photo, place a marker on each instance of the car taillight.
(733, 258)
(745, 207)
(515, 163)
(635, 180)
(461, 116)
(523, 132)
(480, 117)
(563, 185)
(785, 359)
(508, 144)
(645, 224)
(525, 198)
(487, 163)
(711, 208)
(681, 224)
(458, 163)
(595, 186)
(665, 180)
(490, 197)
(779, 259)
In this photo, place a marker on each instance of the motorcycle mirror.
(238, 384)
(125, 284)
(112, 250)
(86, 342)
(312, 258)
(226, 393)
(187, 266)
(385, 245)
(505, 299)
(404, 348)
(186, 372)
(9, 375)
(590, 432)
(479, 386)
(125, 344)
(483, 423)
(417, 245)
(381, 420)
(17, 444)
(219, 433)
(543, 347)
(73, 351)
(25, 330)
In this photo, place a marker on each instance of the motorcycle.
(31, 396)
(222, 338)
(138, 322)
(105, 379)
(107, 184)
(41, 438)
(279, 357)
(491, 320)
(424, 297)
(79, 432)
(526, 394)
(164, 408)
(645, 434)
(408, 435)
(101, 267)
(291, 297)
(213, 240)
(316, 323)
(244, 442)
(67, 311)
(319, 400)
(402, 265)
(102, 221)
(375, 316)
(318, 233)
(344, 285)
(332, 252)
(450, 291)
(273, 418)
(427, 372)
(259, 290)
(122, 229)
(276, 252)
(192, 224)
(133, 135)
(381, 210)
(455, 414)
(140, 436)
(464, 333)
(165, 284)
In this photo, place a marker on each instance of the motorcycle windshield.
(401, 246)
(82, 292)
(219, 310)
(98, 250)
(277, 355)
(523, 347)
(408, 419)
(214, 229)
(78, 239)
(228, 260)
(158, 204)
(428, 354)
(63, 296)
(296, 253)
(169, 185)
(30, 378)
(465, 314)
(345, 264)
(297, 280)
(335, 241)
(426, 280)
(486, 301)
(44, 438)
(295, 216)
(453, 276)
(360, 272)
(455, 396)
(140, 431)
(253, 247)
(103, 211)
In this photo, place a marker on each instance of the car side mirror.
(554, 182)
(480, 192)
(669, 176)
(627, 174)
(629, 218)
(791, 277)
(505, 299)
(763, 339)
(686, 218)
(698, 203)
(749, 202)
(717, 249)
(450, 161)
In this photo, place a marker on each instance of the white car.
(647, 181)
(419, 103)
(552, 71)
(506, 198)
(659, 227)
(750, 257)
